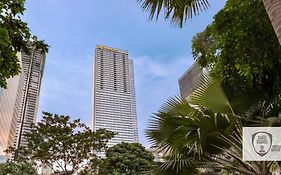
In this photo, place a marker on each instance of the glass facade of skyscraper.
(114, 94)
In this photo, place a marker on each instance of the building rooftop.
(111, 49)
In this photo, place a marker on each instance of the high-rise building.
(114, 104)
(32, 71)
(10, 99)
(19, 102)
(190, 79)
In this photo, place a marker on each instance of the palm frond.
(178, 127)
(204, 129)
(177, 162)
(176, 10)
(210, 94)
(262, 114)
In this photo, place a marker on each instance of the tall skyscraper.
(32, 71)
(19, 102)
(114, 94)
(10, 99)
(8, 115)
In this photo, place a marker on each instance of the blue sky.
(161, 52)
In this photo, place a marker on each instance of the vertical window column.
(114, 71)
(124, 73)
(101, 71)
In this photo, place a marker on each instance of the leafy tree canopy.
(65, 146)
(241, 49)
(127, 158)
(15, 36)
(17, 168)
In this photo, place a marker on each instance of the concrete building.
(19, 102)
(10, 99)
(32, 70)
(114, 104)
(8, 115)
(190, 79)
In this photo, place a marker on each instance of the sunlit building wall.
(32, 69)
(114, 94)
(10, 99)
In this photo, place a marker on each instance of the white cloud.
(156, 81)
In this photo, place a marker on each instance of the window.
(115, 72)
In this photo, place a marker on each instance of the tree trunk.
(273, 9)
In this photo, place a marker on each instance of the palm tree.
(181, 10)
(204, 132)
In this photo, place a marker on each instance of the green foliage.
(177, 10)
(127, 158)
(196, 135)
(241, 49)
(65, 145)
(188, 133)
(214, 96)
(17, 168)
(15, 36)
